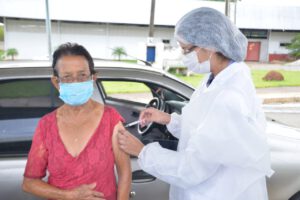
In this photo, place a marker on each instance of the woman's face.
(71, 69)
(202, 54)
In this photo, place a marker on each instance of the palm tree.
(119, 52)
(12, 52)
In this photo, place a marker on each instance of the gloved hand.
(153, 115)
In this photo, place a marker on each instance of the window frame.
(106, 97)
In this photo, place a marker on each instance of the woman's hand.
(129, 143)
(153, 115)
(85, 192)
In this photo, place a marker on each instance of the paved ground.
(282, 104)
(288, 113)
(279, 94)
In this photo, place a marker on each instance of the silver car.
(26, 94)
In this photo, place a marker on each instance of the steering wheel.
(157, 103)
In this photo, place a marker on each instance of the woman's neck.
(219, 66)
(78, 110)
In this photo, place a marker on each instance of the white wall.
(280, 37)
(29, 37)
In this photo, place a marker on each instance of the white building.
(102, 25)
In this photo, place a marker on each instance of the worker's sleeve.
(174, 125)
(227, 137)
(183, 169)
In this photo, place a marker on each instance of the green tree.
(12, 52)
(1, 33)
(119, 52)
(295, 47)
(2, 54)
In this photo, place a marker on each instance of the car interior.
(130, 107)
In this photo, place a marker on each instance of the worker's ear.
(55, 81)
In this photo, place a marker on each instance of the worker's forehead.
(184, 45)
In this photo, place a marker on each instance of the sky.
(273, 2)
(144, 5)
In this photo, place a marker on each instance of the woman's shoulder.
(111, 110)
(48, 119)
(113, 114)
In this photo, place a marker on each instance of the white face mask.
(190, 60)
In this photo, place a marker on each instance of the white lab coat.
(222, 152)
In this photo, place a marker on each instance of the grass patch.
(113, 87)
(129, 61)
(1, 33)
(291, 78)
(193, 80)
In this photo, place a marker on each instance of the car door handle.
(140, 176)
(132, 194)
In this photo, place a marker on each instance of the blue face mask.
(76, 94)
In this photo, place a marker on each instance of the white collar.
(227, 73)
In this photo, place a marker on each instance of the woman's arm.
(123, 167)
(42, 189)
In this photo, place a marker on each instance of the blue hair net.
(211, 29)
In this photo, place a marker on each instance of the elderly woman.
(77, 142)
(222, 152)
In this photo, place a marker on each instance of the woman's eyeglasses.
(71, 79)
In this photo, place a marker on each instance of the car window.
(127, 90)
(22, 103)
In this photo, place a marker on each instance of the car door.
(23, 101)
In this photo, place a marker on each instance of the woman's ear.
(95, 77)
(54, 81)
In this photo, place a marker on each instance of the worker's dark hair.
(75, 49)
(221, 56)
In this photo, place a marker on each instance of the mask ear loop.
(209, 59)
(210, 55)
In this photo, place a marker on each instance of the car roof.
(46, 66)
(47, 63)
(43, 67)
